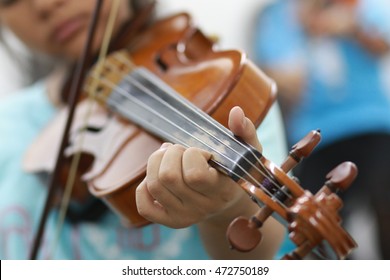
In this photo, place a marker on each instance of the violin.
(228, 76)
(171, 84)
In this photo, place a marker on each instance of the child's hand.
(181, 188)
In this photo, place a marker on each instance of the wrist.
(243, 206)
(372, 42)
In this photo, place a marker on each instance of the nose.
(45, 8)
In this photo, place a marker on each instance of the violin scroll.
(243, 234)
(312, 220)
(314, 217)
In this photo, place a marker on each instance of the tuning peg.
(307, 144)
(341, 177)
(301, 150)
(243, 234)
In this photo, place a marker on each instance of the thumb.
(243, 127)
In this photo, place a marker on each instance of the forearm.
(374, 43)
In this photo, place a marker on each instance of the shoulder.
(23, 97)
(22, 115)
(278, 36)
(277, 11)
(30, 103)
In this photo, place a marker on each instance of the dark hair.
(139, 4)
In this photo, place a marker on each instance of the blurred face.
(328, 17)
(58, 27)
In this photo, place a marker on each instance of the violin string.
(120, 56)
(77, 156)
(111, 85)
(255, 181)
(178, 141)
(125, 60)
(269, 177)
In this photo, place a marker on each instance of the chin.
(74, 48)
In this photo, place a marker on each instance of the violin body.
(215, 81)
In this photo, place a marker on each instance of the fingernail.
(158, 204)
(243, 118)
(165, 145)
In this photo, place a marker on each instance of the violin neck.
(144, 99)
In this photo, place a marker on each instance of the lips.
(67, 29)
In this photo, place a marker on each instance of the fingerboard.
(144, 99)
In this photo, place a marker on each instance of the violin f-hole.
(162, 65)
(168, 54)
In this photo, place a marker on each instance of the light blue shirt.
(22, 195)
